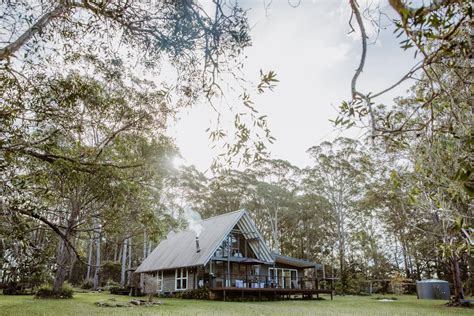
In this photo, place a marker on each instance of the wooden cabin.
(229, 257)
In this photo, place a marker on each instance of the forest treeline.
(363, 213)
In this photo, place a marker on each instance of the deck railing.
(265, 281)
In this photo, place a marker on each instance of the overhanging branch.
(13, 47)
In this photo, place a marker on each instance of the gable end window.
(181, 279)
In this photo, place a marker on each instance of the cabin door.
(286, 279)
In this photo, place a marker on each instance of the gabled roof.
(179, 248)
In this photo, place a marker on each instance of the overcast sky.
(314, 57)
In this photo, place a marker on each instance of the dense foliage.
(46, 291)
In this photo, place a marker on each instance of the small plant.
(199, 294)
(111, 284)
(87, 284)
(151, 286)
(13, 288)
(47, 291)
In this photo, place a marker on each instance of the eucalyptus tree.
(273, 200)
(228, 191)
(151, 39)
(74, 71)
(439, 154)
(304, 232)
(433, 125)
(339, 174)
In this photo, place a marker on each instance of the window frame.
(179, 278)
(160, 279)
(277, 272)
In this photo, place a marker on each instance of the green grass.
(83, 304)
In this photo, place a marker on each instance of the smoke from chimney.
(194, 220)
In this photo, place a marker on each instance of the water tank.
(432, 289)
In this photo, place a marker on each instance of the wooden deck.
(272, 293)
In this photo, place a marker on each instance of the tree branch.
(51, 158)
(54, 228)
(13, 47)
(356, 11)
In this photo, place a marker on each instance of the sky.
(314, 56)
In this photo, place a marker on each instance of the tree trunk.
(62, 261)
(395, 253)
(417, 267)
(124, 263)
(115, 251)
(457, 283)
(97, 256)
(64, 253)
(150, 248)
(73, 260)
(120, 247)
(405, 259)
(341, 237)
(89, 258)
(145, 254)
(129, 274)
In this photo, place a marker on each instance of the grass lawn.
(83, 304)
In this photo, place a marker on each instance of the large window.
(284, 278)
(181, 276)
(231, 245)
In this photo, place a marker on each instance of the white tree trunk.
(89, 258)
(145, 247)
(129, 274)
(124, 263)
(150, 248)
(97, 256)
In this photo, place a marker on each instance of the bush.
(13, 288)
(111, 284)
(87, 284)
(110, 270)
(46, 291)
(15, 291)
(198, 294)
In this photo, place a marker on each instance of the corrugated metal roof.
(179, 248)
(301, 263)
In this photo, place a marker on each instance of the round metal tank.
(432, 289)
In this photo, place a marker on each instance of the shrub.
(111, 284)
(150, 286)
(46, 291)
(110, 270)
(13, 290)
(87, 284)
(199, 294)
